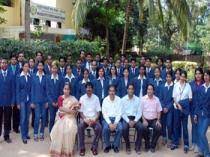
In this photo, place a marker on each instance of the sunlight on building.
(51, 3)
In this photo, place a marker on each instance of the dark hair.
(89, 84)
(157, 68)
(142, 66)
(207, 72)
(100, 68)
(40, 62)
(168, 59)
(62, 58)
(159, 59)
(39, 52)
(113, 66)
(151, 86)
(13, 56)
(89, 53)
(178, 69)
(31, 59)
(67, 84)
(148, 58)
(112, 86)
(169, 73)
(183, 72)
(86, 71)
(70, 66)
(25, 62)
(133, 59)
(130, 84)
(199, 69)
(126, 69)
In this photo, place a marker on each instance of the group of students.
(127, 95)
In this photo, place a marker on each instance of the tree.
(2, 10)
(27, 21)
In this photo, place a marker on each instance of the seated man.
(131, 114)
(89, 112)
(151, 114)
(111, 110)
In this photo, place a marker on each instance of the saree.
(64, 131)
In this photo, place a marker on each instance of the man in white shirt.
(89, 112)
(131, 114)
(111, 110)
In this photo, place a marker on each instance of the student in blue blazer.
(14, 70)
(80, 89)
(202, 115)
(39, 100)
(195, 85)
(77, 70)
(101, 85)
(47, 66)
(119, 68)
(149, 69)
(140, 82)
(93, 74)
(113, 78)
(157, 81)
(62, 69)
(133, 71)
(23, 98)
(123, 83)
(55, 85)
(182, 95)
(71, 79)
(166, 100)
(168, 68)
(7, 97)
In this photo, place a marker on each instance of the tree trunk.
(107, 40)
(27, 20)
(125, 34)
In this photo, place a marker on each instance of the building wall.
(12, 15)
(67, 6)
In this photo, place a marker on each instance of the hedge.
(11, 47)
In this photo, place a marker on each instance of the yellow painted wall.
(67, 6)
(12, 15)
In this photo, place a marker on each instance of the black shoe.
(138, 151)
(25, 141)
(186, 149)
(8, 140)
(152, 150)
(28, 137)
(107, 149)
(116, 150)
(17, 131)
(173, 147)
(128, 150)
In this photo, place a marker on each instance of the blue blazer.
(23, 89)
(92, 77)
(157, 87)
(106, 71)
(73, 83)
(114, 82)
(163, 74)
(166, 98)
(135, 74)
(150, 74)
(120, 73)
(203, 104)
(185, 106)
(14, 71)
(122, 88)
(81, 90)
(63, 74)
(195, 96)
(47, 70)
(39, 90)
(76, 74)
(137, 86)
(98, 88)
(54, 90)
(7, 89)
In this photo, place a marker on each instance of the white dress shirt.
(181, 92)
(90, 106)
(131, 107)
(40, 76)
(112, 109)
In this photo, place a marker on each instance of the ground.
(40, 149)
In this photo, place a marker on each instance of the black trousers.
(5, 118)
(15, 118)
(155, 135)
(32, 117)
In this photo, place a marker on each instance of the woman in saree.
(64, 131)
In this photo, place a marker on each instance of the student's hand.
(18, 106)
(46, 105)
(195, 119)
(33, 106)
(165, 110)
(112, 127)
(87, 121)
(145, 123)
(55, 104)
(179, 107)
(158, 124)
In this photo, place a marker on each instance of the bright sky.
(51, 3)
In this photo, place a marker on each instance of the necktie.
(54, 80)
(4, 75)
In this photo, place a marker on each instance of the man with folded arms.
(89, 112)
(131, 114)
